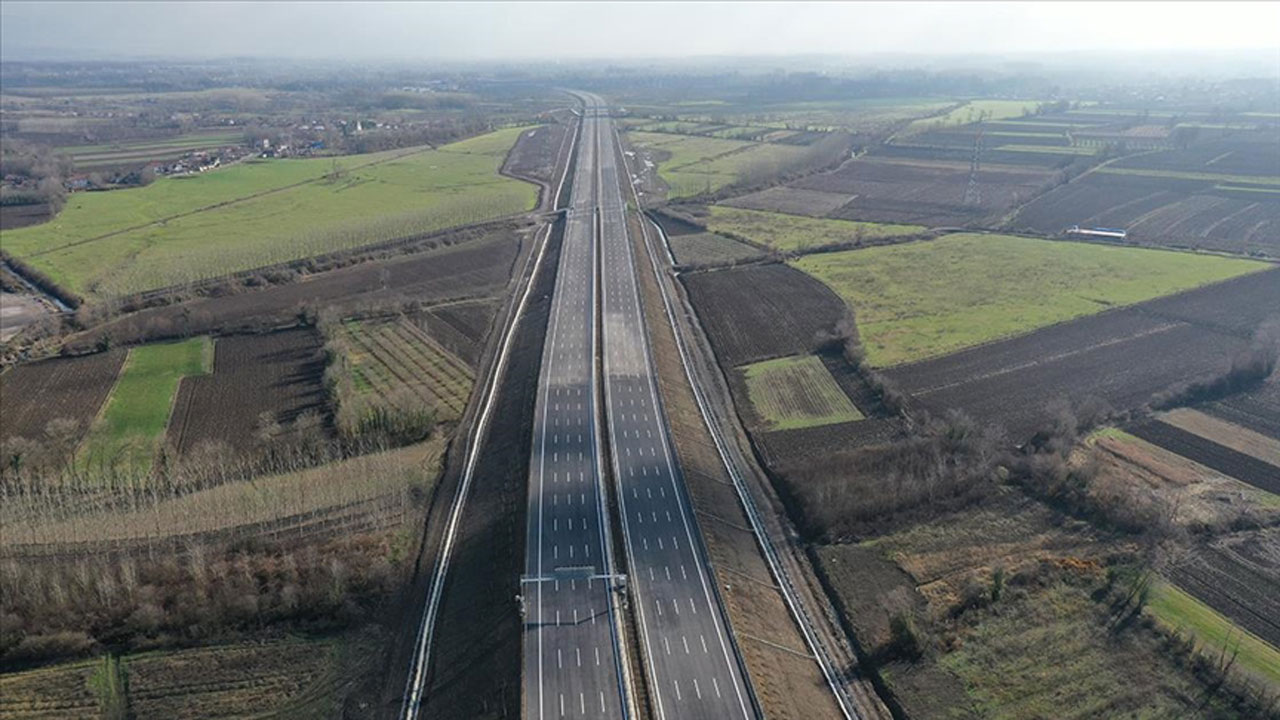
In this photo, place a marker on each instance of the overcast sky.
(480, 31)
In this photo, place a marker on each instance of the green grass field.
(1193, 175)
(1090, 673)
(1178, 610)
(709, 248)
(258, 213)
(797, 392)
(137, 412)
(89, 156)
(925, 299)
(700, 164)
(796, 232)
(974, 110)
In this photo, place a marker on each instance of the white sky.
(478, 31)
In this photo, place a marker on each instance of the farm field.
(461, 327)
(797, 233)
(141, 152)
(1224, 433)
(1011, 382)
(1177, 610)
(760, 312)
(535, 153)
(985, 659)
(1236, 575)
(113, 243)
(1257, 410)
(1141, 475)
(974, 111)
(221, 681)
(396, 362)
(691, 165)
(71, 389)
(789, 200)
(927, 192)
(127, 434)
(476, 267)
(313, 502)
(866, 115)
(796, 392)
(922, 300)
(710, 249)
(1178, 211)
(275, 376)
(1233, 463)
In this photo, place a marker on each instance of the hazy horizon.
(578, 31)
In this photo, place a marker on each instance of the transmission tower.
(973, 192)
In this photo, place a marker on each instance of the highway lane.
(692, 665)
(572, 662)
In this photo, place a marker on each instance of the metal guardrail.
(779, 571)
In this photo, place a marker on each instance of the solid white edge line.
(847, 706)
(628, 254)
(413, 694)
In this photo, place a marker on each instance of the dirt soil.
(479, 268)
(1239, 576)
(73, 388)
(17, 311)
(279, 374)
(762, 312)
(1122, 357)
(1233, 463)
(475, 666)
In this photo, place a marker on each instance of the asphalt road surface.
(573, 664)
(571, 659)
(691, 663)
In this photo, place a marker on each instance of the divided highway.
(691, 663)
(574, 600)
(573, 666)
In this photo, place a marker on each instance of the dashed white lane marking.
(697, 689)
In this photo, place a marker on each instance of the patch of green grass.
(797, 392)
(1178, 610)
(709, 248)
(797, 232)
(257, 213)
(698, 164)
(975, 110)
(1193, 175)
(1054, 149)
(1051, 656)
(137, 411)
(921, 300)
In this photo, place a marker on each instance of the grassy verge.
(697, 164)
(258, 213)
(922, 300)
(1214, 633)
(128, 433)
(1193, 175)
(797, 392)
(796, 232)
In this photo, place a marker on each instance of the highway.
(575, 659)
(572, 664)
(692, 667)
